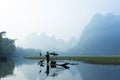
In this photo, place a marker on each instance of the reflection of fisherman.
(47, 70)
(48, 57)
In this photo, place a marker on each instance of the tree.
(1, 42)
(7, 47)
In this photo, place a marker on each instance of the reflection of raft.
(53, 63)
(64, 64)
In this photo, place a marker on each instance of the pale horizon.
(62, 18)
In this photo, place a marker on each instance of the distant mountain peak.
(100, 37)
(73, 39)
(45, 42)
(43, 34)
(111, 15)
(97, 15)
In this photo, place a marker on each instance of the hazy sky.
(63, 18)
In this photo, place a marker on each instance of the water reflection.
(99, 72)
(53, 66)
(6, 68)
(32, 71)
(73, 71)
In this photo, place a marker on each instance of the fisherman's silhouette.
(52, 64)
(48, 57)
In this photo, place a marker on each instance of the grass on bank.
(88, 59)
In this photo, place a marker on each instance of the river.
(76, 70)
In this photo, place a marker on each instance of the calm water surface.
(31, 70)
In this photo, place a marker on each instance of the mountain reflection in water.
(30, 70)
(57, 72)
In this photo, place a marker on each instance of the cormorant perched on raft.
(40, 54)
(54, 54)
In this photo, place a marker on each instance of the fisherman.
(48, 57)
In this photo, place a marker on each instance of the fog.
(62, 18)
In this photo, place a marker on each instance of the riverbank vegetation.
(7, 46)
(87, 59)
(8, 49)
